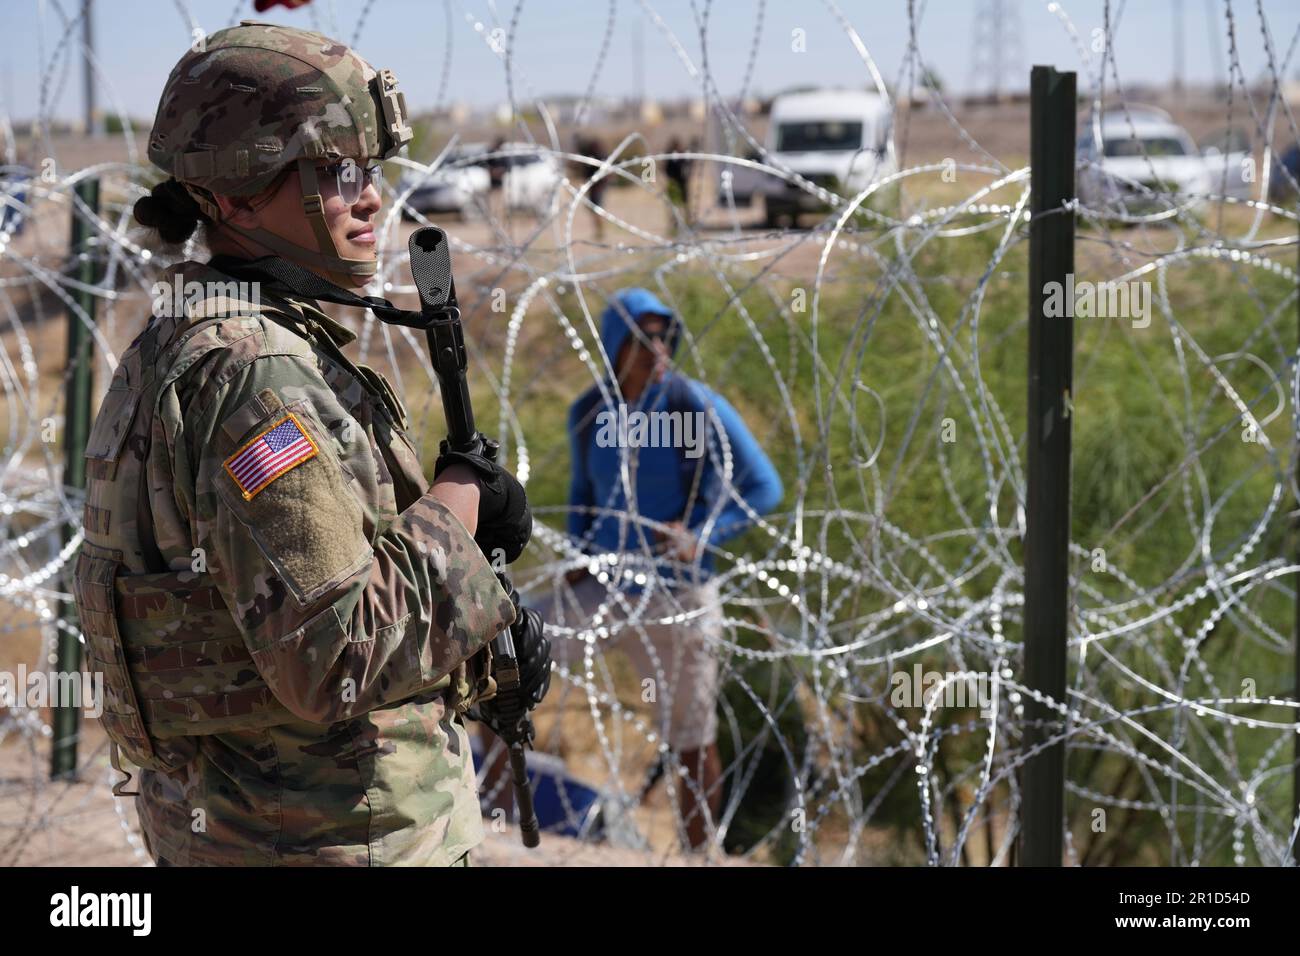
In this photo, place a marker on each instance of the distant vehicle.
(840, 140)
(463, 182)
(1228, 157)
(1148, 163)
(1282, 182)
(532, 180)
(14, 183)
(460, 182)
(744, 182)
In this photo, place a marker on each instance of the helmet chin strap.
(324, 258)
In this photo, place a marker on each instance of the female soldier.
(289, 618)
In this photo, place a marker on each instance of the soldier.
(289, 618)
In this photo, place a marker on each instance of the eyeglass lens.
(353, 177)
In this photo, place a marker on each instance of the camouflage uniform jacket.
(358, 597)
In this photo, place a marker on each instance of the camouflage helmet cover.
(256, 97)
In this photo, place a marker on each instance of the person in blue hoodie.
(664, 472)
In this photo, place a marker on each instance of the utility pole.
(1220, 81)
(1179, 87)
(93, 127)
(638, 66)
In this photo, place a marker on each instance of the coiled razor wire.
(878, 355)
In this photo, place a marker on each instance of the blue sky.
(558, 43)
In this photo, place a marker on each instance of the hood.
(625, 306)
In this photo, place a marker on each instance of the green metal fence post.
(1047, 506)
(76, 430)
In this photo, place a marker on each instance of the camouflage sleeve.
(342, 613)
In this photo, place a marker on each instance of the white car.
(840, 140)
(1147, 163)
(459, 184)
(1230, 160)
(531, 180)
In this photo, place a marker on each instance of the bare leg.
(704, 771)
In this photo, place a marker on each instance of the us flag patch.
(281, 447)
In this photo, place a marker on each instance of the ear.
(236, 210)
(246, 211)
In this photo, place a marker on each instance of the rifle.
(431, 270)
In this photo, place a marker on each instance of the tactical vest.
(174, 662)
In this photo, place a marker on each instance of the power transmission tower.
(997, 55)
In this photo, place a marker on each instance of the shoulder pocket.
(304, 518)
(384, 389)
(113, 423)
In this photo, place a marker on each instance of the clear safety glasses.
(352, 178)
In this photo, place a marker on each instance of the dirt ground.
(81, 823)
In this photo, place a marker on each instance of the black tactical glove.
(505, 522)
(533, 651)
(504, 712)
(500, 723)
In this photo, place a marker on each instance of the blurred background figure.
(594, 148)
(14, 183)
(678, 172)
(496, 165)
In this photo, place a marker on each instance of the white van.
(841, 140)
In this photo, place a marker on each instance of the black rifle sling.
(306, 284)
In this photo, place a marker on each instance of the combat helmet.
(252, 99)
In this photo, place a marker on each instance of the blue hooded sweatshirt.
(669, 483)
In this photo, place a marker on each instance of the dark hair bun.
(171, 210)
